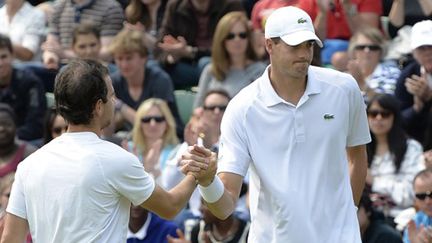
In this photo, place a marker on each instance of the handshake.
(199, 162)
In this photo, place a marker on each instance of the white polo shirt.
(299, 179)
(79, 188)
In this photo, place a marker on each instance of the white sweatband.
(213, 192)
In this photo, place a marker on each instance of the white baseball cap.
(292, 25)
(421, 34)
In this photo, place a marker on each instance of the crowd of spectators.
(213, 49)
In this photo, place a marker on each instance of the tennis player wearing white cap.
(302, 132)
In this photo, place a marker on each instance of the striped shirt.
(107, 15)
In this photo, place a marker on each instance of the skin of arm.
(15, 230)
(22, 53)
(426, 6)
(225, 206)
(397, 13)
(168, 204)
(357, 159)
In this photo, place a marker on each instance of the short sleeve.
(358, 133)
(16, 205)
(130, 180)
(233, 153)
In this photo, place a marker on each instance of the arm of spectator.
(320, 22)
(50, 60)
(181, 238)
(125, 111)
(22, 53)
(397, 13)
(15, 230)
(357, 18)
(426, 6)
(358, 165)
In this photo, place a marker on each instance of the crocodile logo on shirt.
(301, 21)
(328, 116)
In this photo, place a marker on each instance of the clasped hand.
(199, 162)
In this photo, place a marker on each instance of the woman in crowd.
(233, 62)
(12, 150)
(153, 135)
(393, 158)
(55, 125)
(367, 50)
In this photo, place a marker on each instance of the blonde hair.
(129, 41)
(169, 136)
(220, 57)
(370, 33)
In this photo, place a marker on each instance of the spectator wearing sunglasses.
(153, 135)
(55, 125)
(12, 150)
(393, 158)
(234, 63)
(367, 49)
(419, 228)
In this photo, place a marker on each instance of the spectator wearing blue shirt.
(419, 229)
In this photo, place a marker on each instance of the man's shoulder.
(154, 73)
(332, 78)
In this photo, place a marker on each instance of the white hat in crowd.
(421, 34)
(292, 25)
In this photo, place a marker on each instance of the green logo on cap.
(301, 21)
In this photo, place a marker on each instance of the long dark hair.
(396, 137)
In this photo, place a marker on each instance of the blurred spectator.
(55, 125)
(372, 225)
(86, 44)
(107, 15)
(393, 158)
(22, 90)
(186, 36)
(407, 12)
(212, 229)
(153, 135)
(367, 49)
(261, 10)
(336, 20)
(146, 16)
(12, 150)
(414, 86)
(147, 227)
(136, 80)
(427, 144)
(233, 61)
(5, 189)
(419, 229)
(25, 26)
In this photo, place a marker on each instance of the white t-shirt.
(299, 180)
(79, 188)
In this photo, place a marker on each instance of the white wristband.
(213, 192)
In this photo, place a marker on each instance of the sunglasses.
(59, 130)
(241, 35)
(157, 119)
(369, 47)
(375, 113)
(214, 107)
(422, 196)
